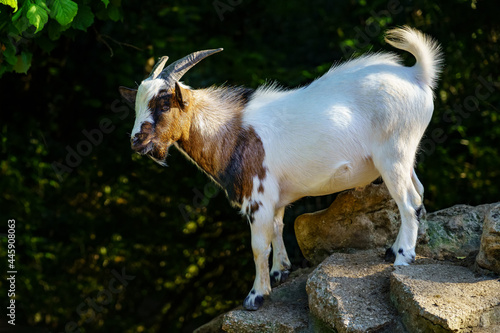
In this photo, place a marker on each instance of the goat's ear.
(182, 95)
(128, 93)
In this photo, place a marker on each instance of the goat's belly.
(344, 176)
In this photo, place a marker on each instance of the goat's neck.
(215, 130)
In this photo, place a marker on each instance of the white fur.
(147, 90)
(361, 120)
(328, 132)
(214, 117)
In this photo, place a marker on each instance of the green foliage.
(12, 3)
(79, 219)
(84, 18)
(63, 11)
(37, 15)
(40, 23)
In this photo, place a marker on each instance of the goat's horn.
(158, 68)
(176, 70)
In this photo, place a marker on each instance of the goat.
(270, 147)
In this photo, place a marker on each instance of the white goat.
(269, 147)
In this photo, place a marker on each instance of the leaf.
(18, 14)
(37, 16)
(9, 53)
(23, 62)
(114, 13)
(21, 25)
(64, 11)
(54, 29)
(105, 2)
(12, 3)
(83, 19)
(42, 4)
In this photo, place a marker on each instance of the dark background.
(81, 218)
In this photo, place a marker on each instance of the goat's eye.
(164, 105)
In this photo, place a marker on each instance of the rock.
(369, 219)
(270, 318)
(359, 292)
(453, 232)
(445, 298)
(350, 292)
(489, 252)
(213, 326)
(356, 219)
(286, 310)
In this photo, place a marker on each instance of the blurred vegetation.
(83, 219)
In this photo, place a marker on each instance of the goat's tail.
(424, 48)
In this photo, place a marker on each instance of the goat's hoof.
(401, 258)
(404, 257)
(278, 277)
(390, 256)
(253, 301)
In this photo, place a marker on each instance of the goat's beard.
(159, 153)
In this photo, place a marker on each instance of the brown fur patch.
(246, 162)
(147, 128)
(255, 207)
(252, 208)
(231, 155)
(172, 122)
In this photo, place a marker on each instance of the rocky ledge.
(452, 287)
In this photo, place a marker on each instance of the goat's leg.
(396, 173)
(420, 189)
(262, 230)
(418, 185)
(281, 263)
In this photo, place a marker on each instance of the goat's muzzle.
(142, 148)
(142, 143)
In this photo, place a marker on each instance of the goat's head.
(162, 106)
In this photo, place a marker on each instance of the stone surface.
(214, 326)
(445, 298)
(453, 232)
(271, 317)
(359, 219)
(369, 218)
(359, 292)
(285, 310)
(350, 292)
(489, 252)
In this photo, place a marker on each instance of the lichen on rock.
(489, 252)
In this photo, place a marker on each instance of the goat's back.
(313, 134)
